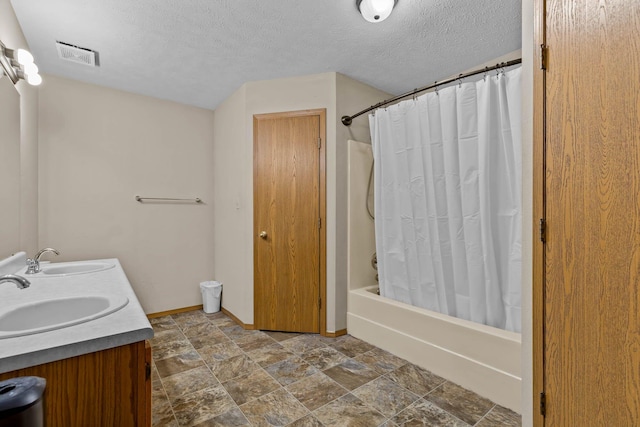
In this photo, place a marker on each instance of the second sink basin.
(58, 269)
(42, 316)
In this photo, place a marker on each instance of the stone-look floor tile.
(308, 421)
(165, 336)
(351, 346)
(254, 342)
(221, 322)
(189, 318)
(269, 355)
(281, 336)
(247, 387)
(155, 377)
(500, 416)
(202, 405)
(168, 349)
(462, 403)
(290, 370)
(303, 343)
(187, 382)
(324, 357)
(385, 396)
(232, 418)
(180, 363)
(162, 416)
(351, 374)
(415, 379)
(212, 336)
(158, 395)
(316, 391)
(215, 353)
(162, 324)
(380, 360)
(195, 329)
(161, 320)
(235, 332)
(423, 413)
(348, 411)
(274, 409)
(232, 367)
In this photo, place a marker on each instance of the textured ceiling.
(198, 52)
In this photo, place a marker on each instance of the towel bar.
(168, 199)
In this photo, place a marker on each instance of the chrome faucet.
(33, 264)
(20, 281)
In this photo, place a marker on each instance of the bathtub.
(478, 357)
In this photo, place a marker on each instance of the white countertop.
(125, 326)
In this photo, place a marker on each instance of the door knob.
(263, 235)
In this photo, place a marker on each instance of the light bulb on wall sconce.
(375, 10)
(18, 64)
(23, 57)
(30, 69)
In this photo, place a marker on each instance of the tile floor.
(208, 371)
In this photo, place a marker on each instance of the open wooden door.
(588, 280)
(289, 258)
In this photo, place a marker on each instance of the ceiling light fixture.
(375, 10)
(18, 64)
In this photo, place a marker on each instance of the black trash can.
(21, 402)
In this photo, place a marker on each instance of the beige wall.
(233, 148)
(233, 257)
(352, 96)
(21, 233)
(232, 215)
(98, 148)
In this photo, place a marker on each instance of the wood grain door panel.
(287, 209)
(592, 249)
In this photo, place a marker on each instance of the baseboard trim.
(336, 334)
(174, 311)
(246, 326)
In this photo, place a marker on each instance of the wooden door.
(591, 258)
(288, 220)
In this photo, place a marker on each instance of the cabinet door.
(102, 389)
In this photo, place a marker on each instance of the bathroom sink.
(58, 269)
(42, 316)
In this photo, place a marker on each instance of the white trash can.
(211, 295)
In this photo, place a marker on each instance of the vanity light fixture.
(375, 10)
(18, 64)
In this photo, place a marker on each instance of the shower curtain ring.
(486, 73)
(436, 84)
(459, 80)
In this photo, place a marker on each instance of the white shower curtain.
(448, 200)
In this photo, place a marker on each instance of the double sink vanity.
(80, 326)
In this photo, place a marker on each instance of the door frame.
(539, 202)
(322, 189)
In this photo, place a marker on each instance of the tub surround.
(125, 326)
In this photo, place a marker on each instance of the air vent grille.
(79, 55)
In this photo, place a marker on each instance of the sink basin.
(42, 316)
(58, 269)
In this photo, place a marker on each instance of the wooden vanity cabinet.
(107, 388)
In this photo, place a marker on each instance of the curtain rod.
(347, 120)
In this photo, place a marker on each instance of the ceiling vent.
(79, 55)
